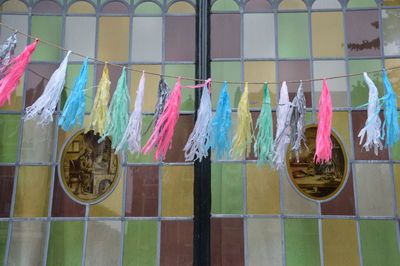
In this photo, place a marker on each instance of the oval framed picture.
(318, 182)
(88, 171)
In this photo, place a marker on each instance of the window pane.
(80, 36)
(6, 188)
(327, 34)
(396, 168)
(257, 5)
(9, 125)
(47, 28)
(180, 38)
(3, 239)
(390, 21)
(259, 36)
(225, 36)
(181, 135)
(293, 35)
(222, 71)
(294, 203)
(46, 7)
(81, 7)
(322, 4)
(147, 39)
(147, 130)
(113, 44)
(187, 71)
(292, 4)
(181, 7)
(361, 3)
(224, 5)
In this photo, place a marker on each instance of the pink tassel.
(13, 73)
(164, 129)
(323, 149)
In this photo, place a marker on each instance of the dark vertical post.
(202, 170)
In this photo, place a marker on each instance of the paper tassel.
(7, 49)
(46, 104)
(133, 132)
(164, 129)
(263, 147)
(244, 132)
(14, 70)
(297, 122)
(282, 137)
(118, 112)
(221, 125)
(390, 113)
(373, 124)
(74, 108)
(323, 147)
(97, 118)
(198, 143)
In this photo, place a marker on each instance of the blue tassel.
(390, 113)
(74, 108)
(221, 124)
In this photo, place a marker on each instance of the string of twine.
(184, 78)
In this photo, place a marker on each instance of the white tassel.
(282, 138)
(46, 104)
(199, 140)
(373, 124)
(133, 133)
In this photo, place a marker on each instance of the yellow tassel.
(244, 133)
(97, 118)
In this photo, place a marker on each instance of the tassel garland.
(74, 108)
(7, 49)
(390, 113)
(46, 104)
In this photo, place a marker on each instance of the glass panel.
(9, 125)
(340, 242)
(379, 242)
(180, 38)
(3, 239)
(147, 129)
(374, 194)
(47, 28)
(264, 238)
(361, 3)
(322, 4)
(115, 8)
(32, 191)
(27, 243)
(113, 45)
(224, 5)
(363, 33)
(293, 35)
(225, 36)
(148, 8)
(38, 75)
(81, 7)
(292, 4)
(340, 123)
(6, 188)
(302, 242)
(46, 7)
(187, 71)
(14, 6)
(391, 3)
(177, 191)
(327, 34)
(114, 73)
(140, 243)
(259, 35)
(181, 7)
(294, 203)
(262, 190)
(396, 169)
(176, 243)
(390, 21)
(17, 21)
(147, 39)
(142, 191)
(182, 132)
(226, 188)
(257, 5)
(103, 243)
(80, 36)
(222, 71)
(227, 243)
(394, 76)
(65, 244)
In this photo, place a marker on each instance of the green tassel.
(263, 147)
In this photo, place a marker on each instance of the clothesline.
(184, 78)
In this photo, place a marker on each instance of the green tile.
(65, 244)
(3, 239)
(9, 132)
(225, 5)
(396, 151)
(293, 35)
(148, 8)
(222, 71)
(49, 29)
(147, 129)
(227, 188)
(379, 243)
(361, 3)
(140, 243)
(302, 242)
(184, 70)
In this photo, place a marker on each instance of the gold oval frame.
(345, 176)
(63, 184)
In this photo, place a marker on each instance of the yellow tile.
(397, 181)
(81, 7)
(113, 38)
(177, 191)
(340, 123)
(294, 203)
(262, 190)
(292, 4)
(14, 6)
(32, 191)
(327, 34)
(181, 7)
(394, 75)
(340, 243)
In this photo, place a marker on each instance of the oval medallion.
(88, 170)
(319, 182)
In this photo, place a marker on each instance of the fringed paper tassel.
(390, 113)
(323, 147)
(244, 132)
(97, 118)
(133, 132)
(46, 104)
(14, 71)
(7, 49)
(263, 147)
(74, 108)
(198, 143)
(282, 138)
(373, 124)
(220, 136)
(118, 112)
(297, 122)
(164, 129)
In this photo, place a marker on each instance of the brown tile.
(181, 135)
(38, 75)
(225, 36)
(180, 38)
(142, 191)
(47, 7)
(256, 5)
(176, 243)
(115, 8)
(6, 189)
(227, 248)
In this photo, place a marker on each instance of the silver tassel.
(7, 49)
